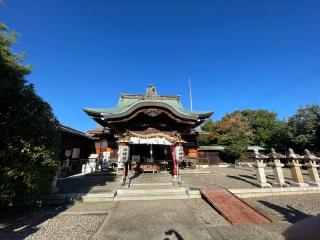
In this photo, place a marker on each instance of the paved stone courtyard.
(159, 219)
(164, 219)
(212, 177)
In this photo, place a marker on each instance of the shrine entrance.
(150, 152)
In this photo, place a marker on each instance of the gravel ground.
(231, 177)
(221, 178)
(291, 208)
(66, 222)
(27, 224)
(68, 227)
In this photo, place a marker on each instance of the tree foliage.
(280, 138)
(29, 137)
(207, 126)
(300, 131)
(232, 131)
(303, 128)
(262, 123)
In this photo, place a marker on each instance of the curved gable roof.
(129, 103)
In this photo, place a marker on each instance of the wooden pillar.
(125, 172)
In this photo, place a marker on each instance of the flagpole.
(190, 91)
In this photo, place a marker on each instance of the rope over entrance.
(151, 138)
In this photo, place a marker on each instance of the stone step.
(150, 197)
(156, 194)
(84, 197)
(125, 195)
(150, 190)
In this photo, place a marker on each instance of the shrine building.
(149, 125)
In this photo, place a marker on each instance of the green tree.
(206, 139)
(207, 126)
(263, 124)
(29, 136)
(234, 133)
(304, 128)
(280, 139)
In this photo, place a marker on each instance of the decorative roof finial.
(151, 91)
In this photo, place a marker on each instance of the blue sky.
(238, 54)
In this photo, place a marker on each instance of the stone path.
(150, 180)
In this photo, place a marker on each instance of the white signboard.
(179, 153)
(152, 140)
(106, 159)
(123, 154)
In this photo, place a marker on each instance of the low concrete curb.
(83, 197)
(156, 194)
(170, 193)
(263, 192)
(125, 195)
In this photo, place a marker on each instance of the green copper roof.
(128, 103)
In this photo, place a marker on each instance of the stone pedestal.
(261, 175)
(296, 174)
(278, 174)
(313, 173)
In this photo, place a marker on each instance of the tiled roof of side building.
(72, 131)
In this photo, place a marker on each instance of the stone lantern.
(276, 168)
(259, 166)
(295, 169)
(311, 164)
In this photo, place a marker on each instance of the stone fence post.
(311, 164)
(277, 168)
(295, 169)
(259, 166)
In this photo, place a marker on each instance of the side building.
(76, 147)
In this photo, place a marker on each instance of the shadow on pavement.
(27, 221)
(84, 183)
(173, 234)
(290, 214)
(241, 179)
(16, 224)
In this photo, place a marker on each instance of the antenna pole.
(190, 91)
